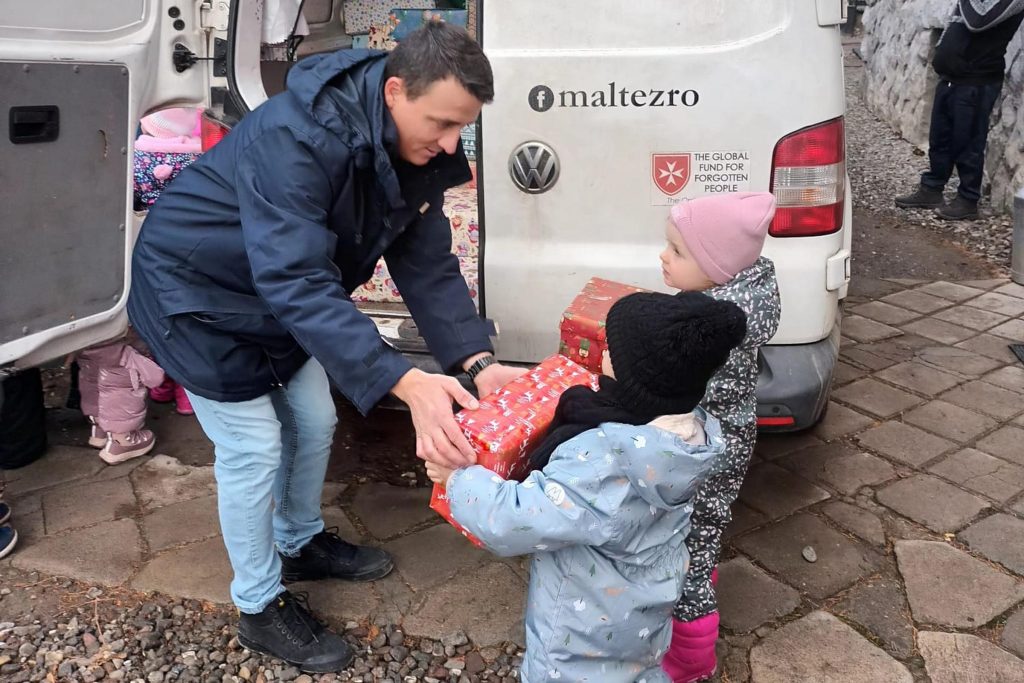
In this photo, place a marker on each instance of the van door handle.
(34, 124)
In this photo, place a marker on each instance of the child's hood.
(661, 465)
(754, 289)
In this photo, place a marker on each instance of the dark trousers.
(957, 136)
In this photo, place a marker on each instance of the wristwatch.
(478, 367)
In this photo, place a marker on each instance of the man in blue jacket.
(240, 285)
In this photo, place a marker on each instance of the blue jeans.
(957, 136)
(271, 458)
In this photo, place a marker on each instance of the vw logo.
(533, 167)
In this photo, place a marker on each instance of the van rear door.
(606, 116)
(76, 77)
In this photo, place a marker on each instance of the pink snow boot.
(691, 656)
(165, 392)
(182, 405)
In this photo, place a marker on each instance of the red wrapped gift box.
(510, 422)
(582, 326)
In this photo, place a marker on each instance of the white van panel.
(95, 16)
(760, 70)
(653, 25)
(44, 41)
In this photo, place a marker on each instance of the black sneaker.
(959, 209)
(287, 630)
(327, 556)
(922, 198)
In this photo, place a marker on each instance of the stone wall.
(1004, 161)
(899, 83)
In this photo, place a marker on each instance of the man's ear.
(394, 88)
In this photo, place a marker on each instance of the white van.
(606, 113)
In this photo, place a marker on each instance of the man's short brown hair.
(437, 51)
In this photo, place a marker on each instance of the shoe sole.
(970, 217)
(699, 678)
(372, 575)
(7, 551)
(918, 205)
(251, 646)
(125, 457)
(3, 520)
(97, 442)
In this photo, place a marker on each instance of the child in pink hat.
(714, 246)
(170, 141)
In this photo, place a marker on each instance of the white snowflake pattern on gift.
(640, 441)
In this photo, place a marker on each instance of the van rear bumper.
(793, 383)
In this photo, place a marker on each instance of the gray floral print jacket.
(730, 395)
(606, 521)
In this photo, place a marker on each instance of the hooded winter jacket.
(967, 55)
(731, 394)
(606, 521)
(244, 266)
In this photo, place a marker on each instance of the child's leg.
(691, 655)
(90, 362)
(122, 405)
(711, 516)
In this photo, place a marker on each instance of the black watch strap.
(477, 367)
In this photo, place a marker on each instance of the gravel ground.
(60, 630)
(884, 165)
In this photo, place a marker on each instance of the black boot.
(922, 198)
(328, 556)
(287, 630)
(959, 209)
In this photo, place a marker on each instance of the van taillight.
(212, 132)
(809, 181)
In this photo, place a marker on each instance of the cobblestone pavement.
(910, 492)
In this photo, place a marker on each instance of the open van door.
(75, 77)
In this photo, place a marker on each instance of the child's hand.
(438, 473)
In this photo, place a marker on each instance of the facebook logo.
(541, 98)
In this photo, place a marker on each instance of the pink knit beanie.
(172, 123)
(725, 232)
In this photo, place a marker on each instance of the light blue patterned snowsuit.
(606, 521)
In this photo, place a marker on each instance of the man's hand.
(438, 474)
(438, 436)
(495, 376)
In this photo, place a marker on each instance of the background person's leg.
(941, 146)
(972, 133)
(940, 161)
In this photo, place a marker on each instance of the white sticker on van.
(687, 175)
